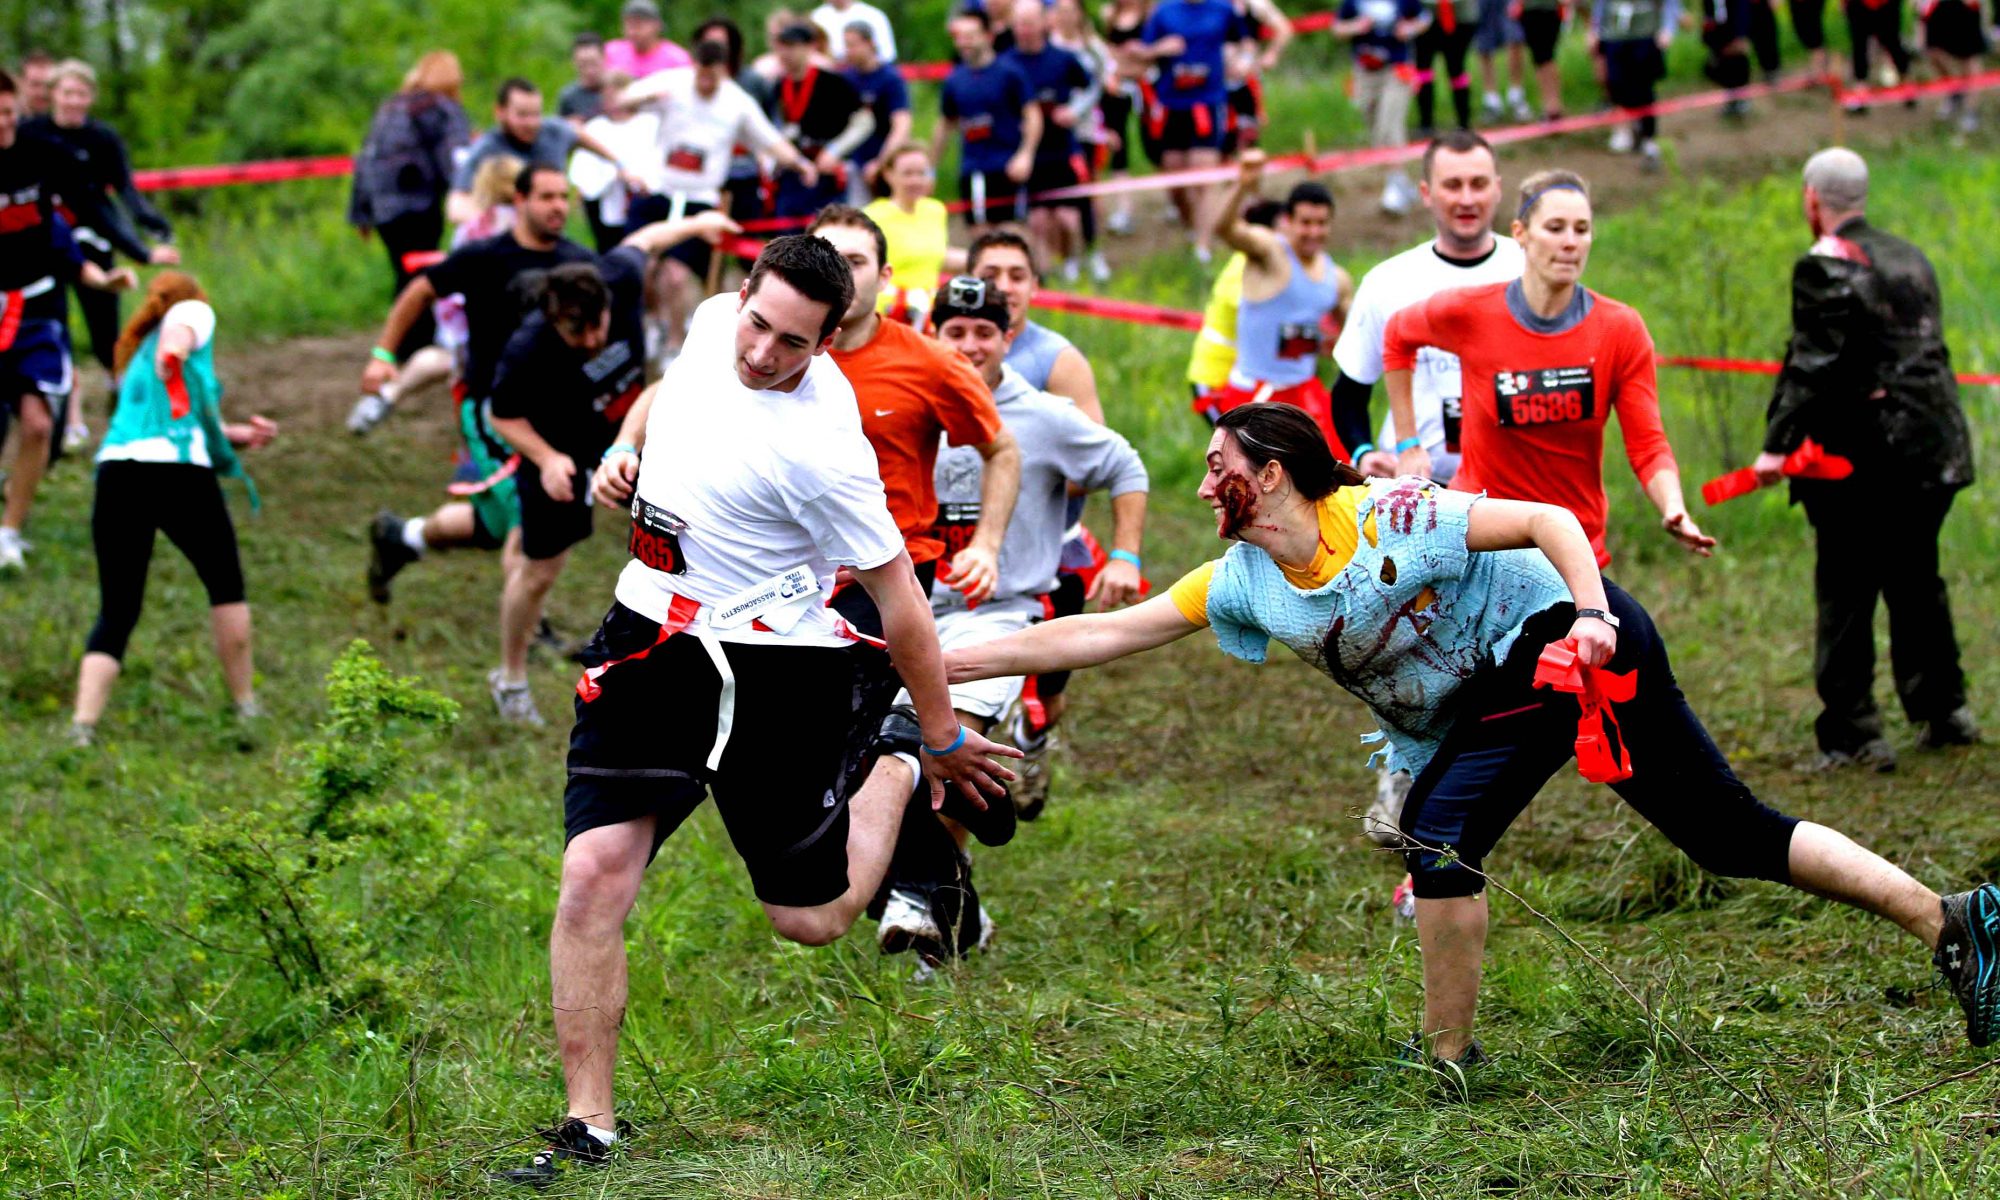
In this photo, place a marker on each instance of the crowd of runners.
(850, 466)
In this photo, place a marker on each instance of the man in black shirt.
(496, 277)
(1867, 376)
(561, 387)
(820, 113)
(38, 259)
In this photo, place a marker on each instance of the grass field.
(310, 961)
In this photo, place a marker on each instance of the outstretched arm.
(1555, 531)
(1073, 642)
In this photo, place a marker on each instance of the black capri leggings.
(1510, 737)
(135, 500)
(1453, 47)
(100, 312)
(403, 235)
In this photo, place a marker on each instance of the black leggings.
(1631, 67)
(135, 500)
(1809, 22)
(1510, 737)
(1884, 25)
(400, 236)
(1432, 43)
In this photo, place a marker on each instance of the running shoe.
(1649, 155)
(1958, 729)
(1736, 108)
(1413, 1051)
(1071, 270)
(1968, 121)
(368, 412)
(1031, 790)
(992, 825)
(13, 550)
(82, 734)
(1876, 754)
(515, 702)
(570, 1146)
(75, 438)
(907, 921)
(1489, 104)
(387, 554)
(1622, 140)
(1517, 101)
(1100, 269)
(1404, 899)
(1119, 222)
(1384, 822)
(1968, 955)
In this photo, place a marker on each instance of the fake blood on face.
(1239, 503)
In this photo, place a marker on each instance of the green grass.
(1197, 990)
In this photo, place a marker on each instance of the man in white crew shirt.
(703, 115)
(720, 670)
(1461, 187)
(836, 15)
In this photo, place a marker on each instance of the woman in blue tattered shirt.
(1434, 608)
(157, 473)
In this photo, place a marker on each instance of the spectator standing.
(404, 171)
(643, 50)
(1867, 376)
(38, 77)
(882, 91)
(1383, 31)
(836, 17)
(583, 97)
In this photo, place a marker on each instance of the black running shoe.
(992, 825)
(570, 1146)
(1968, 954)
(1957, 729)
(386, 554)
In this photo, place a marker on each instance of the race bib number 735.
(1544, 396)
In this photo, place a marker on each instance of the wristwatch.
(1600, 614)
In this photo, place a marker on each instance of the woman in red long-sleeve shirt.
(1543, 362)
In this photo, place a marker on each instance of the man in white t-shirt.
(703, 115)
(721, 669)
(836, 15)
(1461, 187)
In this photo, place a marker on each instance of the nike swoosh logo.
(885, 412)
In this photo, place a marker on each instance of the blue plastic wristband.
(1359, 452)
(1408, 443)
(1128, 556)
(948, 749)
(622, 448)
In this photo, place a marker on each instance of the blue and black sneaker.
(1968, 953)
(570, 1145)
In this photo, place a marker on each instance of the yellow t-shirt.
(1337, 543)
(917, 245)
(1215, 345)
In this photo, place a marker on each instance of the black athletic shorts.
(548, 526)
(1953, 28)
(1197, 128)
(1542, 29)
(1116, 109)
(1065, 601)
(793, 759)
(994, 197)
(694, 252)
(1052, 173)
(1246, 113)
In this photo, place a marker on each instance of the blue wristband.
(1360, 452)
(622, 448)
(1128, 556)
(1408, 443)
(948, 749)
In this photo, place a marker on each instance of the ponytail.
(1284, 434)
(167, 289)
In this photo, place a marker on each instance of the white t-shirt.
(835, 21)
(1409, 278)
(197, 316)
(697, 133)
(764, 482)
(634, 141)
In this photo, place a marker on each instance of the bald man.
(1867, 376)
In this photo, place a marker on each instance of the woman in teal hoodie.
(157, 473)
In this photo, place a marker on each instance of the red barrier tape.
(163, 178)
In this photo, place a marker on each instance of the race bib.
(1188, 76)
(656, 537)
(956, 525)
(778, 602)
(1545, 396)
(1454, 415)
(977, 129)
(1298, 341)
(687, 158)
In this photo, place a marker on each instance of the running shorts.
(993, 197)
(1198, 128)
(1952, 28)
(496, 508)
(1541, 29)
(550, 526)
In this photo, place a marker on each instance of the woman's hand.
(1688, 534)
(1596, 641)
(254, 434)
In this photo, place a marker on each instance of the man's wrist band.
(380, 355)
(1128, 556)
(1408, 443)
(948, 749)
(1599, 613)
(622, 448)
(1360, 452)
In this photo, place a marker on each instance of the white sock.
(413, 534)
(605, 1136)
(910, 760)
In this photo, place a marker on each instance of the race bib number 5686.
(1544, 396)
